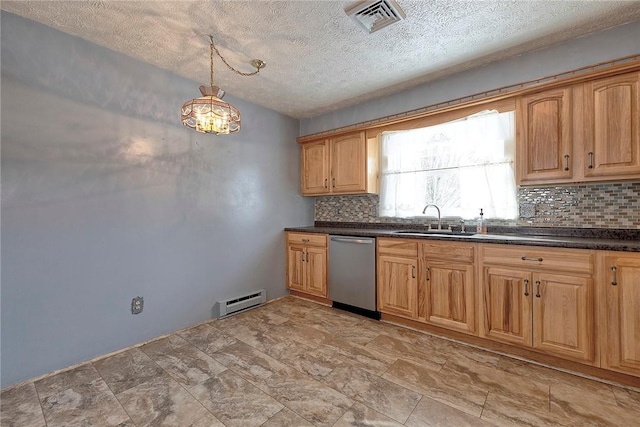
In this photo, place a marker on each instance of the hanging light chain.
(211, 55)
(213, 47)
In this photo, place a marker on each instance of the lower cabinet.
(307, 263)
(563, 315)
(507, 305)
(528, 300)
(446, 287)
(431, 282)
(397, 279)
(544, 300)
(620, 331)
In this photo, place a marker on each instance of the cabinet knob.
(614, 279)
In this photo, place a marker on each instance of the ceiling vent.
(374, 15)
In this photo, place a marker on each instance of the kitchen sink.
(493, 237)
(432, 233)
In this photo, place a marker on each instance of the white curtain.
(461, 166)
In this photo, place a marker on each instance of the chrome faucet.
(439, 220)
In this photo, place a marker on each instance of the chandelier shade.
(209, 113)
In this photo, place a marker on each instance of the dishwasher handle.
(352, 240)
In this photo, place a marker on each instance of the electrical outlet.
(136, 305)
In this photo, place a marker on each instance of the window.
(461, 166)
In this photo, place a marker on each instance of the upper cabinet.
(611, 127)
(544, 136)
(571, 129)
(345, 164)
(586, 132)
(315, 168)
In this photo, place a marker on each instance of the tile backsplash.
(609, 205)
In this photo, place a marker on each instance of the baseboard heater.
(239, 304)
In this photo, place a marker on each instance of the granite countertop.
(578, 238)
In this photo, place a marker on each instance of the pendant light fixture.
(209, 113)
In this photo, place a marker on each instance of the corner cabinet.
(540, 298)
(345, 164)
(307, 263)
(620, 312)
(588, 132)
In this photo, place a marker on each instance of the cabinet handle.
(614, 280)
(537, 288)
(526, 287)
(326, 181)
(428, 273)
(333, 182)
(590, 154)
(566, 162)
(413, 271)
(305, 240)
(303, 252)
(524, 258)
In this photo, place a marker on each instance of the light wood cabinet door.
(348, 163)
(448, 299)
(316, 271)
(507, 305)
(544, 136)
(611, 127)
(621, 279)
(398, 286)
(307, 263)
(295, 267)
(315, 168)
(563, 315)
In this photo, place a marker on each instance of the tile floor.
(297, 363)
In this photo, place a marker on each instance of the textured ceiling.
(318, 59)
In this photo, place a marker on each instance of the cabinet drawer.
(575, 261)
(448, 251)
(397, 247)
(309, 239)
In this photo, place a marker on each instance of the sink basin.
(506, 237)
(432, 233)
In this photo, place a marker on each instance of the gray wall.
(588, 50)
(105, 196)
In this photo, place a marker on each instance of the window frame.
(501, 106)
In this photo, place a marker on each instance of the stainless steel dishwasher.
(352, 274)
